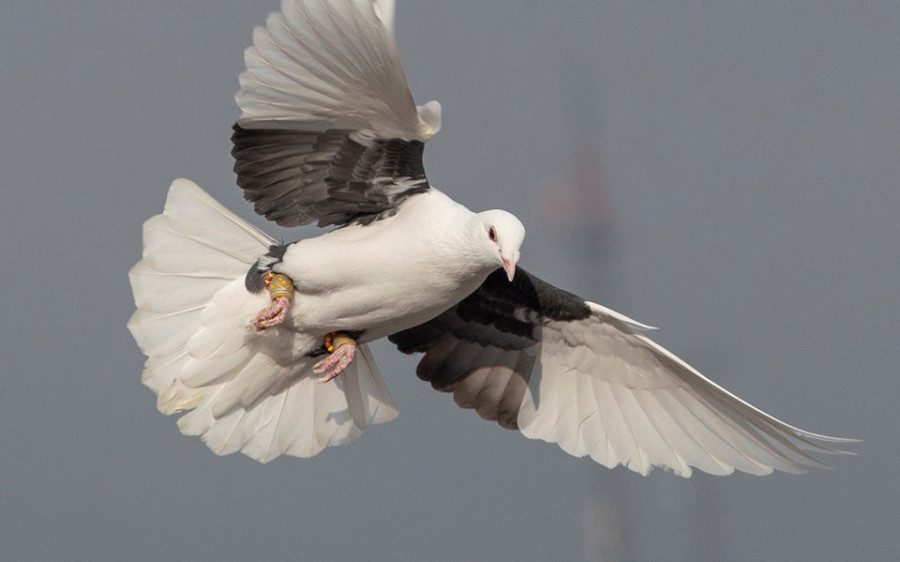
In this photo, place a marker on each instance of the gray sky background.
(751, 151)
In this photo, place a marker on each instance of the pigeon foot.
(342, 351)
(272, 315)
(281, 290)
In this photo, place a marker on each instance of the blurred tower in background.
(579, 203)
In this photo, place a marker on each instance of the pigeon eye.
(492, 234)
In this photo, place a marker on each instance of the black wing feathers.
(298, 177)
(481, 349)
(499, 313)
(374, 179)
(283, 172)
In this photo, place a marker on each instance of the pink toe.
(272, 315)
(336, 363)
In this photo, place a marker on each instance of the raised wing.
(567, 371)
(329, 132)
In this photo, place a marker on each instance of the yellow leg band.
(279, 285)
(335, 340)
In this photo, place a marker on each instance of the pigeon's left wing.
(329, 132)
(567, 371)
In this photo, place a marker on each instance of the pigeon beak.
(509, 264)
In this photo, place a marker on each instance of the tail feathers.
(301, 420)
(246, 391)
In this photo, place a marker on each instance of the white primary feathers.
(331, 65)
(329, 133)
(610, 393)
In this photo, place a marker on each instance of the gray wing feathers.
(297, 177)
(490, 380)
(485, 348)
(283, 172)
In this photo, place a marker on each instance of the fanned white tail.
(246, 391)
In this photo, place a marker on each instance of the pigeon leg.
(281, 290)
(342, 351)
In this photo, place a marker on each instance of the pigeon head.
(503, 234)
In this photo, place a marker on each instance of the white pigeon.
(329, 133)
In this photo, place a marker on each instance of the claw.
(341, 356)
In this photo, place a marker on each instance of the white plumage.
(246, 391)
(332, 65)
(329, 132)
(620, 398)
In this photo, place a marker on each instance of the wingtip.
(429, 119)
(386, 10)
